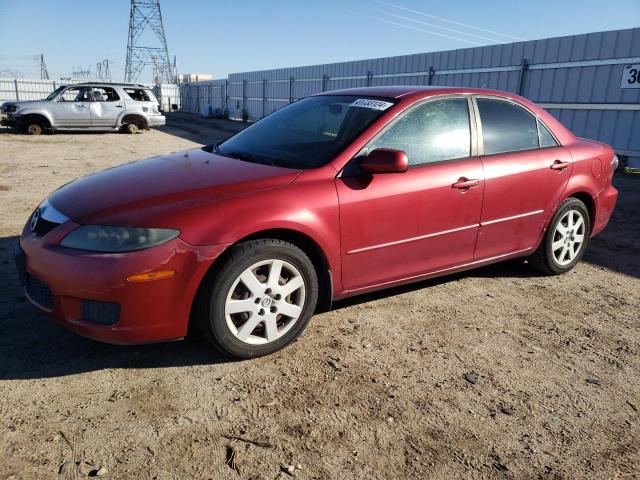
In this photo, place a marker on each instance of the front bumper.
(156, 120)
(8, 121)
(147, 312)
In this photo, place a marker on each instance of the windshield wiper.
(239, 155)
(248, 157)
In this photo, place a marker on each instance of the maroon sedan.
(338, 194)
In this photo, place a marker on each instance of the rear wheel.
(259, 299)
(131, 128)
(565, 240)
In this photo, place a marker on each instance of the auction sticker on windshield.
(373, 104)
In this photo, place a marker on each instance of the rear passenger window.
(546, 139)
(506, 127)
(138, 94)
(435, 131)
(105, 94)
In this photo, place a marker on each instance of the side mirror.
(385, 160)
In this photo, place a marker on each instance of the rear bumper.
(69, 284)
(606, 202)
(156, 120)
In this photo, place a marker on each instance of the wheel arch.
(44, 121)
(140, 120)
(589, 202)
(301, 240)
(317, 256)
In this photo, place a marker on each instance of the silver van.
(87, 106)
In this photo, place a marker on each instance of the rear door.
(106, 107)
(72, 108)
(526, 171)
(401, 225)
(141, 100)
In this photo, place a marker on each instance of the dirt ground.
(495, 373)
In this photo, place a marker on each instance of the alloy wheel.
(568, 237)
(265, 301)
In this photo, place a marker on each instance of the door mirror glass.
(385, 160)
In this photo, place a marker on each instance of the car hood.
(154, 191)
(25, 103)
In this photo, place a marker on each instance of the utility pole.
(44, 74)
(175, 70)
(145, 15)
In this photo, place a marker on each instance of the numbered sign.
(630, 76)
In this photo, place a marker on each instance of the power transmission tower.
(145, 14)
(103, 71)
(81, 72)
(44, 74)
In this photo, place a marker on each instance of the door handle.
(82, 106)
(559, 165)
(464, 183)
(119, 106)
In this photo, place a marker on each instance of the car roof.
(106, 84)
(413, 90)
(412, 93)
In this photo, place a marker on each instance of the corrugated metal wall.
(576, 77)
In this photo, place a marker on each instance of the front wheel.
(259, 299)
(565, 240)
(33, 128)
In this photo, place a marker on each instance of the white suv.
(87, 106)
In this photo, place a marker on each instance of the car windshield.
(53, 94)
(306, 134)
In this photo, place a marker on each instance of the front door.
(71, 108)
(526, 171)
(401, 225)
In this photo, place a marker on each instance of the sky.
(221, 37)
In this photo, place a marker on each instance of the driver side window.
(435, 131)
(75, 94)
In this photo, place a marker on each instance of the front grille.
(104, 313)
(39, 292)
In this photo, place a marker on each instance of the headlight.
(9, 108)
(98, 238)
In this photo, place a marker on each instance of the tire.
(33, 128)
(272, 317)
(131, 128)
(565, 241)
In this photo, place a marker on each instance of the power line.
(433, 25)
(445, 19)
(423, 30)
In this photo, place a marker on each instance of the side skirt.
(437, 273)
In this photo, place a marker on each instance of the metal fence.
(577, 78)
(12, 89)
